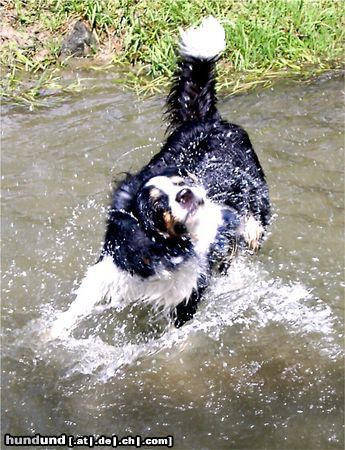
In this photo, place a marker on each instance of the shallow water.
(260, 366)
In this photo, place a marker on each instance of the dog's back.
(218, 153)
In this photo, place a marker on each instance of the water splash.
(246, 297)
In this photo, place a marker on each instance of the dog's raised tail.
(192, 97)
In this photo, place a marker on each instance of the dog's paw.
(252, 232)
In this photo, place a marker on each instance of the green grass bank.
(265, 40)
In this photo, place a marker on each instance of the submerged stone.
(78, 42)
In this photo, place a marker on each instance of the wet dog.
(186, 210)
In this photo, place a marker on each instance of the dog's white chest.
(106, 282)
(165, 289)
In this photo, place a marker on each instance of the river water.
(260, 366)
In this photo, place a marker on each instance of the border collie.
(186, 211)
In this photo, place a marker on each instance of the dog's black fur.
(217, 153)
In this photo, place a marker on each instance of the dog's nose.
(185, 196)
(189, 199)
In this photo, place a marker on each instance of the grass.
(265, 39)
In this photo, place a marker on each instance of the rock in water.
(78, 42)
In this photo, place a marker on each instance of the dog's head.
(171, 204)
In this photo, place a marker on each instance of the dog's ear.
(129, 245)
(150, 208)
(143, 209)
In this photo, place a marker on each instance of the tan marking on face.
(169, 222)
(155, 193)
(176, 179)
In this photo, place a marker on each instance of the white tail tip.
(204, 42)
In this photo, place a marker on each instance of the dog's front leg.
(186, 309)
(96, 286)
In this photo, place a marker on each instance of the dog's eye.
(180, 183)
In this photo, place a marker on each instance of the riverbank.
(265, 40)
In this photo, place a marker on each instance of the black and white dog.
(187, 209)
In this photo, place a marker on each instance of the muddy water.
(260, 366)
